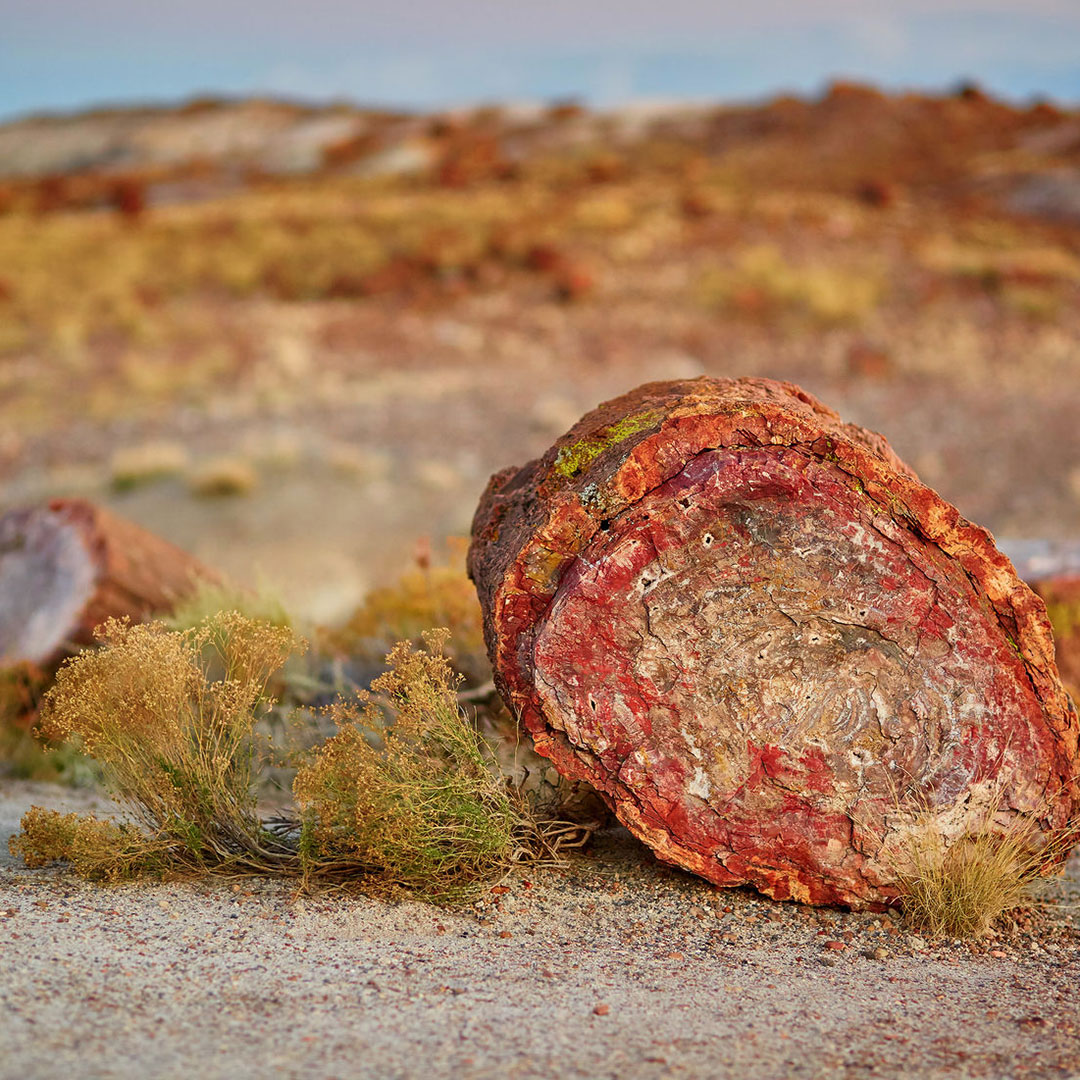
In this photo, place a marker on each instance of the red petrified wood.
(68, 565)
(767, 644)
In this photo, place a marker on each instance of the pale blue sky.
(61, 54)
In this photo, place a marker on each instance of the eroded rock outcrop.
(766, 643)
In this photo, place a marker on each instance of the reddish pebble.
(602, 1010)
(835, 945)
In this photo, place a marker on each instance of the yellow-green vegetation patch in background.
(1041, 303)
(212, 598)
(994, 264)
(357, 462)
(132, 466)
(427, 595)
(1062, 599)
(762, 283)
(222, 477)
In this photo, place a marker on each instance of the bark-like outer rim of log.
(524, 544)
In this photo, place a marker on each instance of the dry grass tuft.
(959, 887)
(960, 890)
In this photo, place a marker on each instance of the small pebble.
(602, 1009)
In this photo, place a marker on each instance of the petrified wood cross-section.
(68, 565)
(769, 646)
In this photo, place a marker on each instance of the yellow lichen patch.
(578, 456)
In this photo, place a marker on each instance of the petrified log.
(766, 643)
(67, 566)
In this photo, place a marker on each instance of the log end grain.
(767, 644)
(68, 565)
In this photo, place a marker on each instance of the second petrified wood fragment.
(767, 644)
(68, 565)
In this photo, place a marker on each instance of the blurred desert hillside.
(297, 339)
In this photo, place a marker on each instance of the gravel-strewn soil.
(613, 966)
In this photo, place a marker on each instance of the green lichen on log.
(579, 455)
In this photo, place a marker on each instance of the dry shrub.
(957, 887)
(404, 795)
(423, 811)
(97, 849)
(426, 595)
(171, 718)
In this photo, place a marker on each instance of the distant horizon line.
(345, 101)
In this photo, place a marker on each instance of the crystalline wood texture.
(68, 565)
(767, 644)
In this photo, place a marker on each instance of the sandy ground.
(613, 966)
